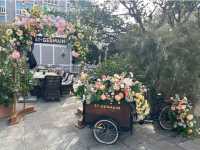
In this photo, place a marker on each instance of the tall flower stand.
(17, 115)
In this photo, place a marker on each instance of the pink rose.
(75, 54)
(118, 98)
(15, 55)
(103, 97)
(60, 25)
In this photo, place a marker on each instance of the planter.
(5, 111)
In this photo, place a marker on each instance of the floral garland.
(183, 118)
(36, 23)
(117, 89)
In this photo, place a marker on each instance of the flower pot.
(5, 111)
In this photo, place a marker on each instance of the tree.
(101, 27)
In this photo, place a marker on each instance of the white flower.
(9, 32)
(122, 86)
(191, 124)
(117, 76)
(19, 32)
(2, 49)
(116, 87)
(76, 85)
(131, 74)
(128, 82)
(190, 117)
(12, 41)
(175, 125)
(80, 35)
(93, 90)
(99, 80)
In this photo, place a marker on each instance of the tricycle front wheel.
(165, 118)
(106, 131)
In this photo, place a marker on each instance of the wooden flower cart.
(107, 120)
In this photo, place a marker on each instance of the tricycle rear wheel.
(165, 118)
(106, 131)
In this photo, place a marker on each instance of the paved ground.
(52, 128)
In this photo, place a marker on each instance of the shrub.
(114, 65)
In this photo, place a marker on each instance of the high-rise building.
(57, 5)
(3, 10)
(9, 9)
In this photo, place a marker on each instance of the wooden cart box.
(120, 113)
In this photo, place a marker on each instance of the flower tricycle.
(110, 104)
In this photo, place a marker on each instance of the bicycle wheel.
(165, 118)
(106, 131)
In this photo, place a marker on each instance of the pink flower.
(60, 25)
(24, 22)
(15, 55)
(98, 85)
(103, 97)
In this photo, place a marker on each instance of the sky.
(122, 10)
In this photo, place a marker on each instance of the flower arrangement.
(116, 89)
(183, 118)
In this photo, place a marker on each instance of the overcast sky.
(123, 10)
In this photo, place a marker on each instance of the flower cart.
(110, 104)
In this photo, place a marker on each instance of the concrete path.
(52, 128)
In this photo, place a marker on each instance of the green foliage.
(14, 77)
(166, 58)
(80, 91)
(6, 80)
(116, 64)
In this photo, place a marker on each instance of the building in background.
(3, 17)
(54, 5)
(22, 4)
(9, 9)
